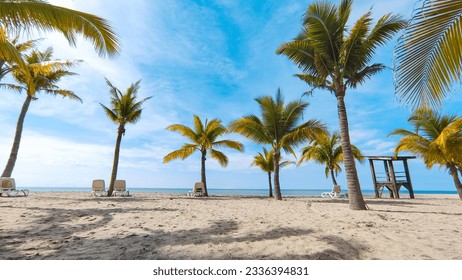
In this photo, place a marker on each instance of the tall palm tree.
(327, 150)
(265, 161)
(125, 109)
(278, 128)
(334, 57)
(428, 56)
(437, 139)
(45, 74)
(203, 138)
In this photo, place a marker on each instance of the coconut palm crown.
(278, 127)
(437, 139)
(203, 138)
(334, 57)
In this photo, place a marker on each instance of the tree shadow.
(57, 229)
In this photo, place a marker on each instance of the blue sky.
(209, 58)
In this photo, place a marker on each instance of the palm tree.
(437, 139)
(327, 150)
(428, 58)
(265, 161)
(203, 138)
(44, 74)
(125, 108)
(278, 128)
(335, 58)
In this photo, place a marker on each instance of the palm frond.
(251, 126)
(64, 93)
(36, 14)
(220, 157)
(428, 58)
(185, 151)
(229, 144)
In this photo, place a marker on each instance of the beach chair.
(120, 187)
(335, 193)
(198, 189)
(98, 188)
(9, 187)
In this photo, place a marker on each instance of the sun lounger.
(335, 193)
(98, 188)
(120, 187)
(198, 189)
(9, 187)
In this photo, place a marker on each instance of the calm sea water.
(243, 192)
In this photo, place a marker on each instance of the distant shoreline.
(238, 192)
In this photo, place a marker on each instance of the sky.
(209, 58)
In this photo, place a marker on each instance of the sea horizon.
(230, 191)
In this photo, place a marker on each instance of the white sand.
(152, 226)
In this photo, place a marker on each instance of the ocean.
(243, 192)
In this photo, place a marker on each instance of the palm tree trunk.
(332, 174)
(115, 164)
(203, 178)
(356, 200)
(17, 138)
(455, 177)
(277, 186)
(270, 186)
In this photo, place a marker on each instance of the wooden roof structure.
(391, 179)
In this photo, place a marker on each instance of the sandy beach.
(70, 225)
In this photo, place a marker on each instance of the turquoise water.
(243, 192)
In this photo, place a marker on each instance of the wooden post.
(408, 179)
(393, 178)
(374, 178)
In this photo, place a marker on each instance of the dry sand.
(152, 226)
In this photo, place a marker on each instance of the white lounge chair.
(335, 193)
(120, 187)
(98, 188)
(9, 187)
(198, 190)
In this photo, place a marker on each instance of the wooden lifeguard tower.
(391, 179)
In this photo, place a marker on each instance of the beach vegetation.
(23, 16)
(265, 161)
(43, 76)
(278, 127)
(428, 58)
(327, 150)
(125, 108)
(336, 58)
(437, 139)
(203, 137)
